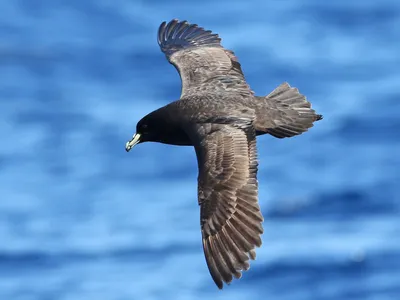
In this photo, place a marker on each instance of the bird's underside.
(231, 220)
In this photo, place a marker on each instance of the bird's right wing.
(203, 64)
(231, 220)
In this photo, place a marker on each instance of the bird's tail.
(284, 113)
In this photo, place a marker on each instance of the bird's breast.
(175, 136)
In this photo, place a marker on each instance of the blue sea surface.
(81, 219)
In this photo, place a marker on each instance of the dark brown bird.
(220, 116)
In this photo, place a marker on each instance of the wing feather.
(231, 220)
(204, 65)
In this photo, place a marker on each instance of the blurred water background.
(82, 219)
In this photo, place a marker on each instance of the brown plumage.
(220, 116)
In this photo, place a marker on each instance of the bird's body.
(220, 116)
(176, 116)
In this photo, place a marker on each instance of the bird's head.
(148, 129)
(143, 134)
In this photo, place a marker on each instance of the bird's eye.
(144, 126)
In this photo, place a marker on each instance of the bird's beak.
(135, 140)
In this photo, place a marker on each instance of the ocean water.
(82, 219)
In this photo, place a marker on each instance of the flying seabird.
(220, 116)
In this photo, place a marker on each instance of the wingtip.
(220, 286)
(177, 35)
(160, 32)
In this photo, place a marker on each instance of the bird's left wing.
(203, 64)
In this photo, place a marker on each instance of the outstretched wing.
(203, 64)
(231, 221)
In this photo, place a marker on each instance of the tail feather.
(285, 113)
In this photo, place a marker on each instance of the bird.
(220, 116)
